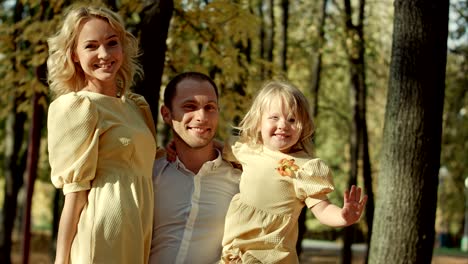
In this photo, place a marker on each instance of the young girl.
(101, 141)
(279, 177)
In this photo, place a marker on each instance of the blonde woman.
(101, 140)
(279, 177)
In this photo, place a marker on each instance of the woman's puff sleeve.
(73, 141)
(313, 182)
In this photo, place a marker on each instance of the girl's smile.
(279, 129)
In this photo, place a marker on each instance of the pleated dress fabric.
(261, 223)
(105, 145)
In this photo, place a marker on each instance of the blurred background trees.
(337, 52)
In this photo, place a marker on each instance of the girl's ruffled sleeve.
(313, 182)
(231, 149)
(73, 141)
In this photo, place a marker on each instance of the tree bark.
(284, 41)
(154, 27)
(355, 50)
(270, 41)
(14, 168)
(315, 73)
(262, 38)
(14, 163)
(32, 159)
(403, 230)
(317, 60)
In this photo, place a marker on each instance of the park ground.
(315, 251)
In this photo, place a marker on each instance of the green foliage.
(206, 37)
(222, 38)
(454, 145)
(451, 195)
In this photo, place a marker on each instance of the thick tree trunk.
(403, 229)
(154, 28)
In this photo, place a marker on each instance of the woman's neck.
(109, 89)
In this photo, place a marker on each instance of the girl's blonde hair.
(64, 75)
(292, 99)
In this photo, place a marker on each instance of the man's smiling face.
(194, 114)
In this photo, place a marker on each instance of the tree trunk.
(355, 50)
(32, 159)
(368, 189)
(14, 163)
(262, 38)
(317, 60)
(154, 27)
(14, 168)
(315, 73)
(403, 229)
(284, 42)
(270, 41)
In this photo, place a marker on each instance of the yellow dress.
(105, 145)
(261, 223)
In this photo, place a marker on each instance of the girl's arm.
(332, 215)
(72, 207)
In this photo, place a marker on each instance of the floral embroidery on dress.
(287, 167)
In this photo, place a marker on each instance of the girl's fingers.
(358, 194)
(363, 201)
(351, 193)
(346, 196)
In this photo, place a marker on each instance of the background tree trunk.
(284, 41)
(262, 38)
(14, 163)
(315, 73)
(14, 168)
(317, 60)
(270, 38)
(154, 28)
(355, 50)
(32, 159)
(403, 229)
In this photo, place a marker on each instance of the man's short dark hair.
(170, 90)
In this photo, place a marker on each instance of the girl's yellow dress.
(105, 145)
(261, 223)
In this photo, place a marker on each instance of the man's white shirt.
(189, 210)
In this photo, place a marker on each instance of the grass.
(41, 212)
(455, 252)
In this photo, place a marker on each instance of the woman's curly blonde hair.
(64, 75)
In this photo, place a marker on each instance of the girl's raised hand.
(353, 205)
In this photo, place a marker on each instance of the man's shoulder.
(160, 162)
(159, 165)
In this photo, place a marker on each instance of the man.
(193, 193)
